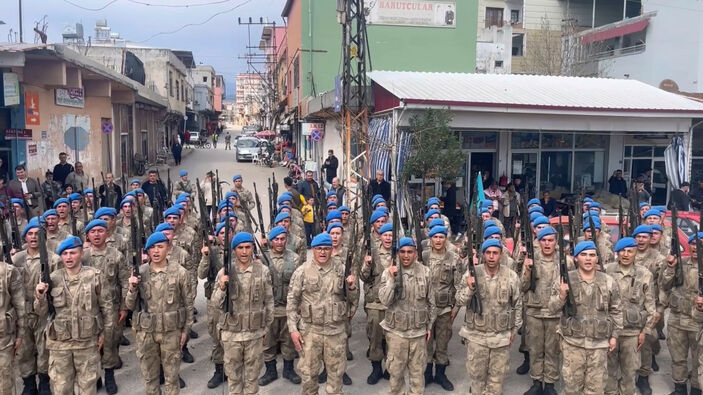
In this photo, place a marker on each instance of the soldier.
(592, 332)
(147, 211)
(126, 217)
(17, 205)
(294, 228)
(115, 274)
(245, 220)
(654, 217)
(247, 315)
(160, 293)
(114, 238)
(493, 232)
(376, 262)
(683, 327)
(294, 243)
(213, 310)
(76, 200)
(541, 336)
(426, 243)
(433, 204)
(62, 207)
(182, 185)
(81, 304)
(317, 309)
(378, 218)
(89, 201)
(283, 263)
(12, 311)
(656, 241)
(487, 216)
(245, 196)
(54, 236)
(489, 334)
(602, 240)
(639, 308)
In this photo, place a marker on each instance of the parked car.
(194, 137)
(246, 148)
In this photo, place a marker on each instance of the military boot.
(270, 374)
(655, 365)
(350, 356)
(680, 389)
(549, 389)
(110, 385)
(346, 380)
(695, 391)
(643, 386)
(181, 382)
(30, 385)
(525, 367)
(186, 355)
(99, 383)
(192, 334)
(428, 374)
(536, 388)
(322, 377)
(376, 373)
(289, 372)
(441, 378)
(218, 377)
(124, 341)
(44, 387)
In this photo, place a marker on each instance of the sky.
(218, 41)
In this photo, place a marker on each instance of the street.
(197, 374)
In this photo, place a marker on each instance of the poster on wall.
(412, 13)
(10, 89)
(70, 97)
(31, 106)
(32, 149)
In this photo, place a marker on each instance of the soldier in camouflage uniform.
(638, 310)
(378, 219)
(113, 237)
(245, 196)
(18, 206)
(182, 185)
(433, 204)
(317, 310)
(445, 274)
(490, 334)
(115, 271)
(162, 301)
(656, 217)
(493, 232)
(77, 202)
(592, 332)
(243, 213)
(125, 216)
(283, 264)
(657, 240)
(12, 325)
(147, 211)
(683, 326)
(294, 243)
(426, 244)
(247, 315)
(63, 207)
(294, 228)
(82, 306)
(54, 236)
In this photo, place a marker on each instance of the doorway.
(483, 162)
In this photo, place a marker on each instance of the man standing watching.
(379, 186)
(62, 169)
(77, 178)
(680, 199)
(26, 188)
(330, 166)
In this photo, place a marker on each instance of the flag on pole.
(480, 195)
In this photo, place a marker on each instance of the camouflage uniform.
(318, 309)
(445, 274)
(68, 229)
(298, 245)
(179, 255)
(488, 336)
(82, 304)
(245, 198)
(282, 268)
(652, 260)
(12, 324)
(115, 271)
(605, 247)
(375, 310)
(683, 328)
(165, 314)
(53, 239)
(585, 337)
(213, 311)
(638, 308)
(408, 318)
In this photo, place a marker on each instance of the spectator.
(511, 202)
(295, 202)
(110, 193)
(51, 189)
(617, 184)
(338, 190)
(379, 186)
(228, 141)
(176, 150)
(642, 195)
(23, 187)
(494, 194)
(308, 187)
(647, 179)
(548, 204)
(77, 178)
(62, 169)
(155, 189)
(679, 198)
(696, 195)
(330, 166)
(309, 221)
(519, 186)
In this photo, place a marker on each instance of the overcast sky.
(217, 42)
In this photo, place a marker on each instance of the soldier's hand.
(13, 252)
(452, 316)
(145, 258)
(263, 241)
(657, 317)
(699, 303)
(351, 282)
(204, 250)
(471, 281)
(40, 290)
(184, 336)
(297, 341)
(640, 341)
(16, 348)
(367, 260)
(512, 337)
(210, 238)
(121, 316)
(101, 340)
(429, 334)
(224, 279)
(563, 289)
(134, 282)
(392, 270)
(671, 260)
(611, 344)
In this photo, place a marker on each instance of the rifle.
(168, 181)
(476, 305)
(274, 187)
(16, 235)
(93, 204)
(572, 233)
(213, 191)
(218, 188)
(418, 230)
(259, 212)
(137, 247)
(634, 210)
(675, 248)
(108, 201)
(45, 270)
(85, 206)
(205, 230)
(594, 237)
(6, 242)
(350, 249)
(570, 305)
(42, 202)
(272, 204)
(621, 220)
(124, 185)
(530, 248)
(394, 253)
(74, 227)
(226, 267)
(140, 219)
(27, 211)
(578, 215)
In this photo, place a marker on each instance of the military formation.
(589, 312)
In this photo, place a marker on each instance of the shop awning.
(618, 29)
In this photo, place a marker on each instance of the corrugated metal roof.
(531, 92)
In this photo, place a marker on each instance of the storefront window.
(479, 140)
(584, 140)
(555, 172)
(524, 165)
(557, 140)
(525, 140)
(642, 151)
(588, 169)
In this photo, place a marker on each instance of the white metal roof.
(532, 92)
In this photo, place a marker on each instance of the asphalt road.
(197, 374)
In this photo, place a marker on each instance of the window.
(296, 72)
(183, 92)
(557, 140)
(205, 79)
(494, 17)
(518, 44)
(170, 83)
(178, 90)
(514, 16)
(498, 64)
(524, 140)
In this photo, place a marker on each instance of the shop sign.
(412, 13)
(70, 97)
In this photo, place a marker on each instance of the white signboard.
(11, 89)
(307, 128)
(70, 97)
(412, 13)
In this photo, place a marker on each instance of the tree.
(435, 150)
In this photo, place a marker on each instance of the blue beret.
(692, 238)
(376, 215)
(486, 203)
(652, 212)
(89, 190)
(138, 191)
(432, 201)
(587, 200)
(533, 201)
(542, 220)
(374, 197)
(17, 201)
(484, 210)
(241, 237)
(344, 209)
(625, 242)
(126, 201)
(219, 227)
(333, 214)
(594, 205)
(331, 204)
(276, 231)
(546, 232)
(656, 227)
(280, 217)
(173, 210)
(182, 194)
(436, 222)
(33, 223)
(536, 215)
(406, 242)
(182, 173)
(587, 224)
(61, 201)
(642, 229)
(231, 194)
(156, 237)
(70, 243)
(230, 214)
(431, 213)
(96, 222)
(223, 204)
(385, 228)
(330, 194)
(488, 223)
(163, 226)
(383, 209)
(436, 230)
(322, 240)
(583, 246)
(135, 181)
(49, 213)
(334, 225)
(282, 207)
(181, 199)
(284, 198)
(644, 204)
(378, 201)
(131, 193)
(237, 177)
(490, 231)
(536, 209)
(491, 243)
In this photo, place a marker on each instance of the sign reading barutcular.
(70, 97)
(412, 13)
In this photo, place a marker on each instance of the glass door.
(660, 186)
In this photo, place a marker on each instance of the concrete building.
(249, 95)
(219, 93)
(204, 97)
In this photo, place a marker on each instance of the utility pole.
(20, 4)
(268, 78)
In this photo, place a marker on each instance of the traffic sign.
(106, 127)
(316, 135)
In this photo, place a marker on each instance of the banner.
(31, 109)
(70, 97)
(11, 89)
(412, 13)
